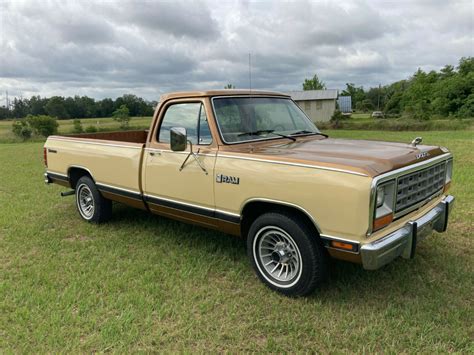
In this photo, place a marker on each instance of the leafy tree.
(447, 71)
(377, 97)
(89, 106)
(105, 107)
(4, 113)
(364, 105)
(229, 86)
(466, 65)
(357, 94)
(417, 97)
(467, 109)
(42, 125)
(20, 108)
(73, 107)
(122, 115)
(36, 105)
(56, 107)
(77, 126)
(393, 96)
(22, 130)
(336, 118)
(136, 105)
(313, 84)
(91, 129)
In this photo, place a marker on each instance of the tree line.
(445, 93)
(76, 107)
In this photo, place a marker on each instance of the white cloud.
(109, 48)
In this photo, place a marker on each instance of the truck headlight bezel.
(449, 171)
(380, 197)
(385, 199)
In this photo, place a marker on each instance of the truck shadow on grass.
(417, 279)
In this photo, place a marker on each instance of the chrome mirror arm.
(195, 157)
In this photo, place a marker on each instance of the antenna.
(250, 73)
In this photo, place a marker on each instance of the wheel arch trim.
(79, 167)
(281, 203)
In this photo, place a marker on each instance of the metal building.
(319, 105)
(345, 104)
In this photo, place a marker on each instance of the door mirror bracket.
(178, 143)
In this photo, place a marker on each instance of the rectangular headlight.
(384, 204)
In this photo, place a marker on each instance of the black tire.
(91, 205)
(296, 239)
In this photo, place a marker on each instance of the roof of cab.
(226, 92)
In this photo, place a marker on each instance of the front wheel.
(92, 206)
(286, 254)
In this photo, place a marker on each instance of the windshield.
(252, 118)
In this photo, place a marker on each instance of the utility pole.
(378, 99)
(250, 73)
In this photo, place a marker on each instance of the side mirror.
(178, 139)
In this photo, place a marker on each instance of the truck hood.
(367, 157)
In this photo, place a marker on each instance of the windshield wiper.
(263, 131)
(304, 131)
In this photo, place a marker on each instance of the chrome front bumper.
(403, 241)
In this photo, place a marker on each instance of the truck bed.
(121, 136)
(112, 158)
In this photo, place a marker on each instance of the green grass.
(145, 283)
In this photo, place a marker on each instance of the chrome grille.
(416, 187)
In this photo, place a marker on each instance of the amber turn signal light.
(382, 221)
(447, 186)
(342, 245)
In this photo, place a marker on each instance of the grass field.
(66, 126)
(144, 283)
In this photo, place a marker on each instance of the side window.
(190, 116)
(205, 136)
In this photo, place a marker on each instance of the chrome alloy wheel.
(85, 201)
(277, 256)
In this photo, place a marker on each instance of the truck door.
(181, 192)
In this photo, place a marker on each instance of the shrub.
(91, 129)
(77, 126)
(21, 130)
(42, 125)
(122, 115)
(336, 118)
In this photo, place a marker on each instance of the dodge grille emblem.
(422, 155)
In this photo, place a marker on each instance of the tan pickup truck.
(253, 165)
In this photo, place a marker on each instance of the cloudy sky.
(108, 48)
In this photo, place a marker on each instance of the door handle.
(155, 153)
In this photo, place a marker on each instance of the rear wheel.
(92, 206)
(286, 254)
